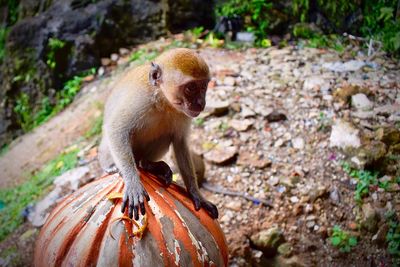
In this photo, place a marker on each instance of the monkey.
(149, 110)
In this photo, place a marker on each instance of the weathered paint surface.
(77, 233)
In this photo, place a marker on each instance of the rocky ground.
(280, 126)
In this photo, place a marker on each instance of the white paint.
(177, 249)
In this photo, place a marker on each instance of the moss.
(16, 199)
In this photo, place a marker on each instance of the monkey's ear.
(155, 74)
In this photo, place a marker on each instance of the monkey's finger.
(146, 195)
(124, 203)
(197, 204)
(136, 212)
(142, 208)
(211, 209)
(130, 209)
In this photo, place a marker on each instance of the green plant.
(142, 55)
(54, 44)
(381, 23)
(223, 126)
(95, 128)
(15, 199)
(29, 118)
(335, 11)
(255, 14)
(3, 36)
(393, 237)
(194, 34)
(342, 239)
(198, 122)
(365, 179)
(24, 112)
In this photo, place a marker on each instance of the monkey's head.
(183, 76)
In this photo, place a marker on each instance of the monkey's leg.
(105, 158)
(159, 169)
(186, 169)
(134, 194)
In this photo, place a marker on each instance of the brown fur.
(148, 111)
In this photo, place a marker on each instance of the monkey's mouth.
(192, 113)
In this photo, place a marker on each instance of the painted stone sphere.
(88, 229)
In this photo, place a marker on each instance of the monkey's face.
(190, 97)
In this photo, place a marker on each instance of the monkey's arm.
(121, 151)
(186, 169)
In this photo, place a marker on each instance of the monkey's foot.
(112, 169)
(200, 202)
(159, 169)
(133, 200)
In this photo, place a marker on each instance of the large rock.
(82, 32)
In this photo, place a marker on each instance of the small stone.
(268, 241)
(353, 226)
(315, 82)
(294, 199)
(217, 108)
(344, 135)
(308, 208)
(285, 249)
(234, 205)
(221, 155)
(123, 51)
(230, 81)
(370, 218)
(361, 102)
(276, 116)
(254, 160)
(105, 62)
(317, 192)
(334, 195)
(310, 224)
(241, 125)
(247, 112)
(74, 178)
(298, 143)
(380, 237)
(114, 57)
(273, 180)
(101, 71)
(279, 142)
(41, 210)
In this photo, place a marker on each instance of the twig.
(221, 190)
(370, 44)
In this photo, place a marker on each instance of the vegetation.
(3, 35)
(142, 55)
(379, 20)
(393, 237)
(382, 22)
(95, 128)
(29, 118)
(13, 201)
(255, 14)
(342, 239)
(54, 45)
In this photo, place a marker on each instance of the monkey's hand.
(133, 199)
(200, 202)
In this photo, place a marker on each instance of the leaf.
(114, 195)
(335, 240)
(352, 241)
